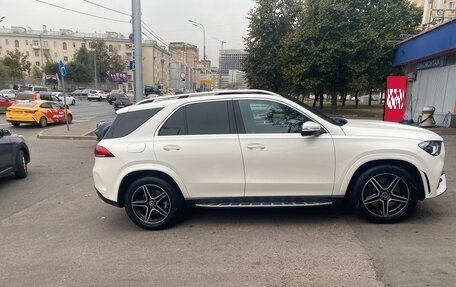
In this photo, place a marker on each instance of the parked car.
(96, 95)
(102, 127)
(33, 89)
(113, 95)
(37, 112)
(253, 148)
(14, 154)
(4, 104)
(122, 102)
(70, 100)
(10, 94)
(27, 96)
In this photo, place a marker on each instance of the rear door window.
(201, 119)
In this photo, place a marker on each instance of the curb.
(85, 136)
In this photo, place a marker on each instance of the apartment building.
(436, 11)
(229, 59)
(48, 45)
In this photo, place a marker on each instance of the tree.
(270, 22)
(345, 45)
(17, 63)
(80, 69)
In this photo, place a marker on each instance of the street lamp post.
(199, 25)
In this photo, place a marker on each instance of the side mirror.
(311, 129)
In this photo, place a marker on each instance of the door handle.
(171, 147)
(255, 146)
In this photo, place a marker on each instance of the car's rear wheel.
(43, 122)
(385, 194)
(152, 203)
(21, 165)
(100, 98)
(73, 102)
(15, 124)
(69, 118)
(89, 99)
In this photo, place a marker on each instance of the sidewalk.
(83, 130)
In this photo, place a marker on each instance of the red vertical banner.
(396, 89)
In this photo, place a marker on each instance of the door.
(58, 113)
(278, 160)
(6, 153)
(199, 142)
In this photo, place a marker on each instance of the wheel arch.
(134, 175)
(415, 173)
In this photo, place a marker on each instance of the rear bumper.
(105, 199)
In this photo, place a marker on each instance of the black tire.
(43, 122)
(73, 102)
(90, 100)
(385, 194)
(69, 118)
(99, 99)
(21, 165)
(15, 124)
(152, 203)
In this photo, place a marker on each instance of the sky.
(223, 20)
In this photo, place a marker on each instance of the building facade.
(47, 45)
(436, 11)
(229, 59)
(429, 61)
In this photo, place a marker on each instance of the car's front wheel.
(152, 203)
(385, 194)
(73, 102)
(21, 165)
(69, 118)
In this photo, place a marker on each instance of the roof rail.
(216, 93)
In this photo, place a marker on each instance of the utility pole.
(139, 86)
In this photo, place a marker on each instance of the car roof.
(194, 97)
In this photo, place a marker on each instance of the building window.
(74, 44)
(45, 44)
(452, 5)
(65, 58)
(26, 42)
(111, 48)
(119, 47)
(64, 45)
(6, 42)
(16, 43)
(37, 63)
(83, 45)
(55, 44)
(37, 53)
(27, 53)
(36, 43)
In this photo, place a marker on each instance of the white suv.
(97, 95)
(253, 148)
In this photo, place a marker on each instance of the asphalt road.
(54, 231)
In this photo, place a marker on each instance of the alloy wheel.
(150, 204)
(385, 195)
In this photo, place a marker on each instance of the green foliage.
(17, 63)
(325, 46)
(270, 21)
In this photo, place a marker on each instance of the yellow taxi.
(37, 112)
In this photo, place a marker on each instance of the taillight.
(101, 151)
(30, 111)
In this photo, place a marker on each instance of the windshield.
(319, 113)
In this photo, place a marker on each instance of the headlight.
(431, 147)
